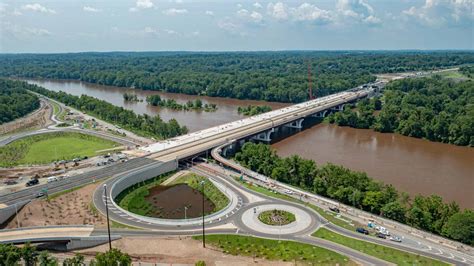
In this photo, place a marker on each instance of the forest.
(142, 124)
(356, 189)
(15, 101)
(271, 76)
(437, 109)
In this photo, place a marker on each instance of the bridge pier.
(338, 108)
(320, 114)
(264, 136)
(298, 124)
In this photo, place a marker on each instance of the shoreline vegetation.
(356, 189)
(145, 125)
(269, 76)
(437, 109)
(197, 105)
(251, 110)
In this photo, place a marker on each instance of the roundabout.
(303, 220)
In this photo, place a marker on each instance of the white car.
(395, 238)
(289, 192)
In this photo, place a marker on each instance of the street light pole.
(185, 208)
(107, 212)
(203, 227)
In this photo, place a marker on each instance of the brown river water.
(412, 165)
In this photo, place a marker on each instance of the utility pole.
(107, 212)
(203, 226)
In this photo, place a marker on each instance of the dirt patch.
(176, 250)
(68, 209)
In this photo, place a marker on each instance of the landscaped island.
(276, 217)
(47, 148)
(180, 198)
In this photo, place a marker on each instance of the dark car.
(32, 182)
(334, 209)
(380, 235)
(362, 231)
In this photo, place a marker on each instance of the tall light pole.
(107, 212)
(203, 227)
(185, 209)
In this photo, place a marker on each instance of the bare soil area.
(176, 250)
(68, 209)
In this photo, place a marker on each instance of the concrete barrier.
(7, 212)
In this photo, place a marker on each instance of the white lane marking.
(451, 255)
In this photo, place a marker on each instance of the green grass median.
(47, 148)
(382, 252)
(276, 250)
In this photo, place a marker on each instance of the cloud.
(277, 11)
(21, 32)
(90, 9)
(436, 13)
(257, 5)
(38, 8)
(357, 10)
(253, 16)
(142, 4)
(309, 12)
(209, 13)
(174, 11)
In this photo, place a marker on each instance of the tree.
(394, 210)
(460, 227)
(9, 255)
(373, 201)
(29, 255)
(113, 257)
(77, 260)
(45, 259)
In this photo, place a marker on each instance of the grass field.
(210, 191)
(276, 217)
(385, 253)
(453, 74)
(47, 148)
(276, 250)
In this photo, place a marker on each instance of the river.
(194, 120)
(413, 165)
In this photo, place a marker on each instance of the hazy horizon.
(48, 26)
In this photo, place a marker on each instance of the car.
(395, 239)
(52, 179)
(380, 235)
(40, 194)
(334, 209)
(32, 182)
(362, 231)
(289, 192)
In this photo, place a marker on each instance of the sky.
(44, 26)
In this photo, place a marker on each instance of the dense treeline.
(144, 124)
(11, 255)
(15, 101)
(468, 71)
(359, 190)
(270, 76)
(435, 108)
(253, 110)
(197, 104)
